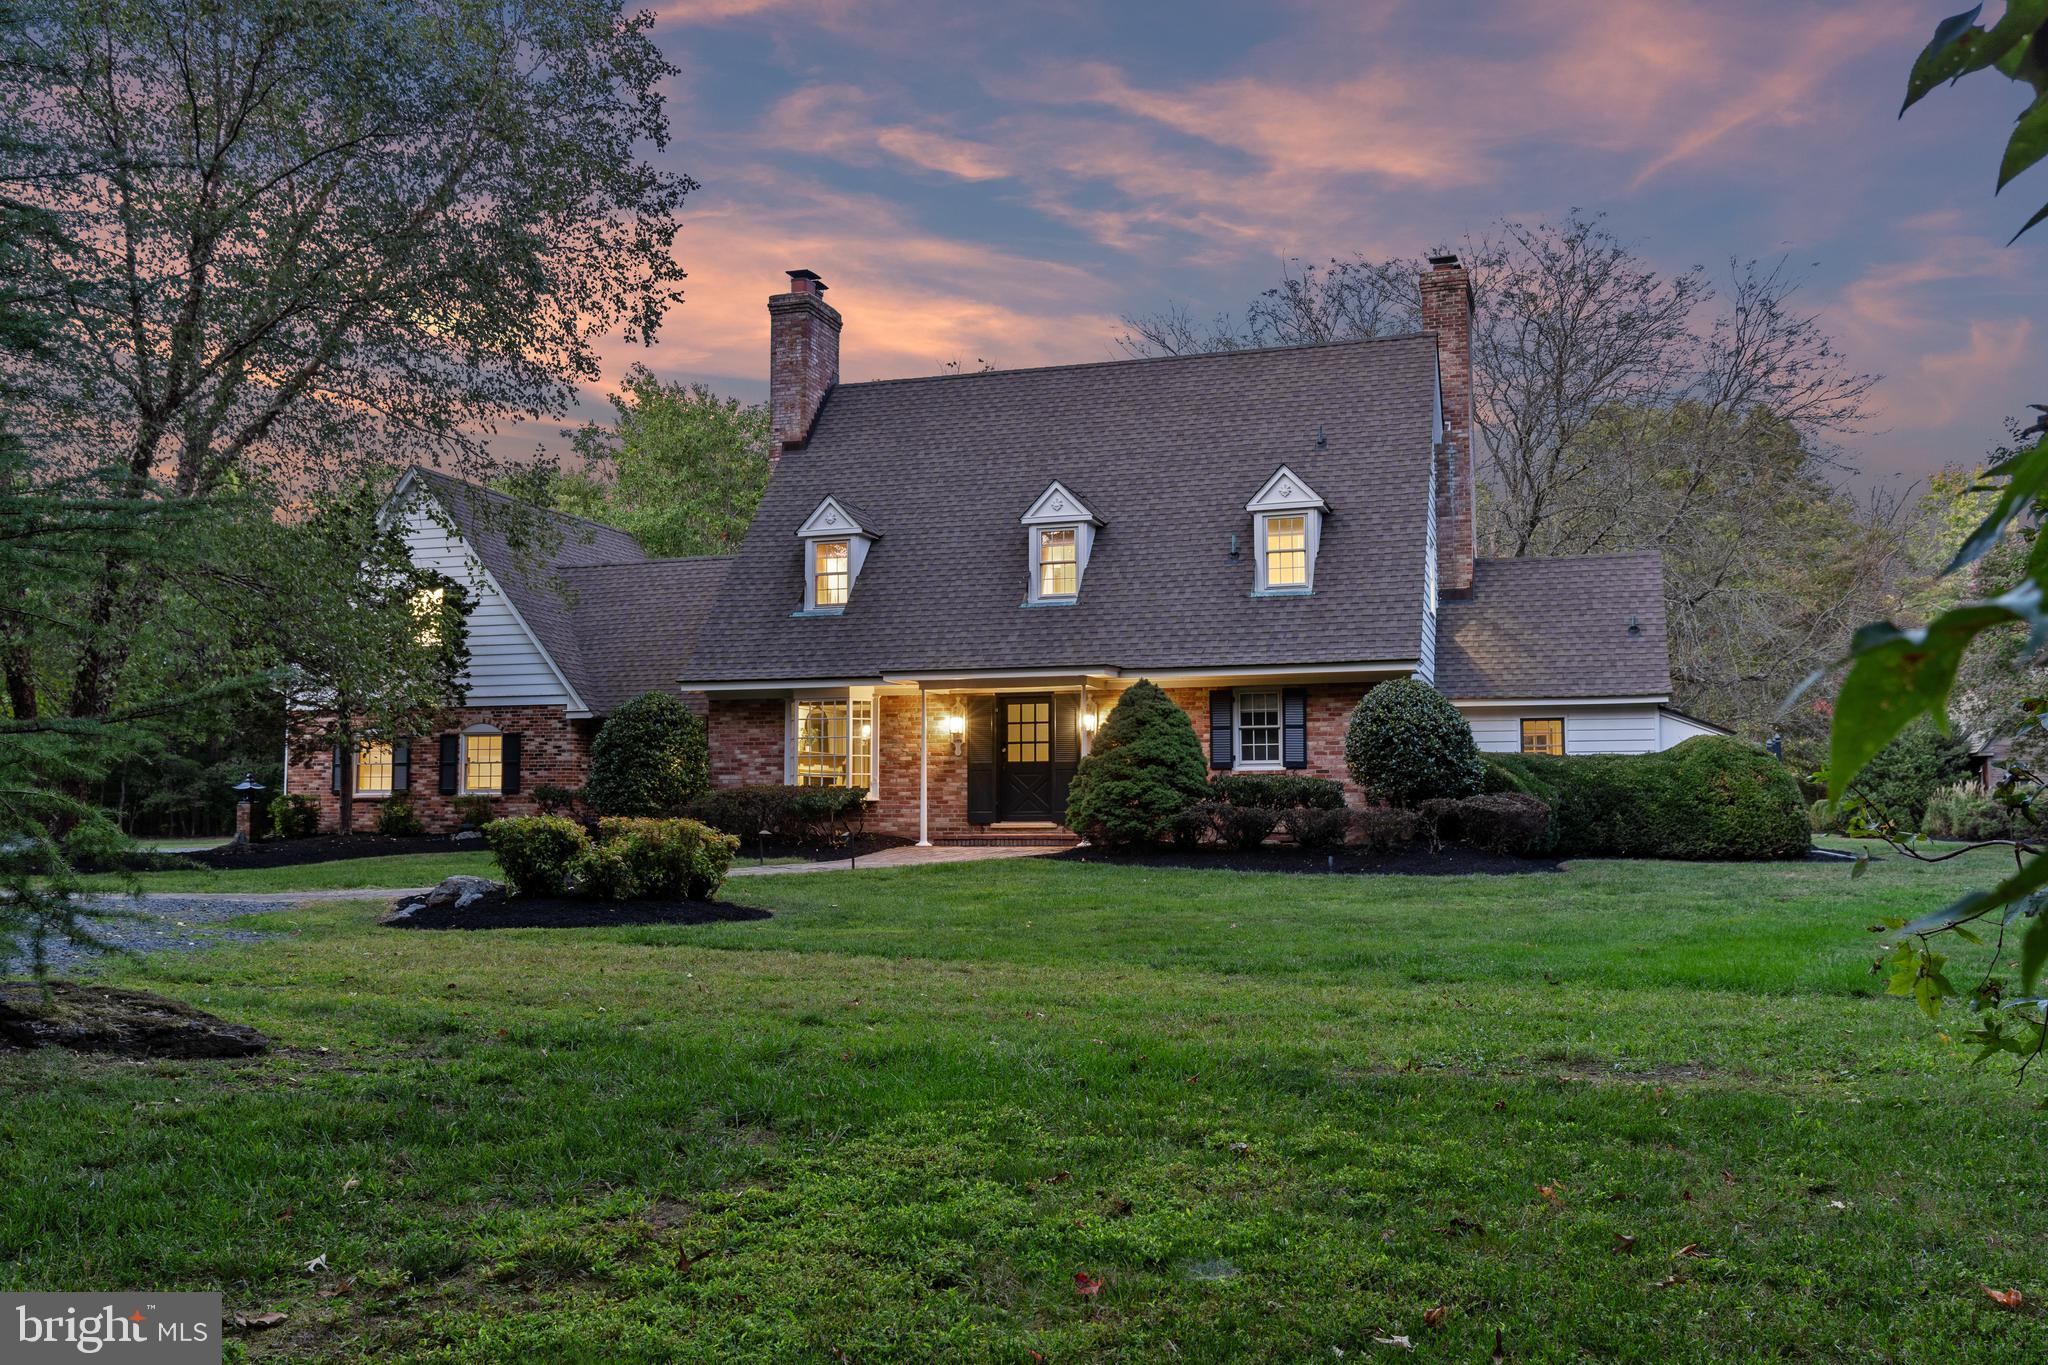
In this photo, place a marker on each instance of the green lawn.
(1277, 1117)
(342, 874)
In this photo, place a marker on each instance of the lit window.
(1027, 732)
(483, 758)
(426, 609)
(1059, 571)
(373, 768)
(1287, 552)
(1258, 727)
(835, 744)
(833, 573)
(1543, 736)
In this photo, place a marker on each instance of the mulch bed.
(1455, 860)
(107, 1019)
(327, 848)
(496, 910)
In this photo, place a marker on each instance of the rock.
(403, 909)
(461, 891)
(464, 836)
(106, 1019)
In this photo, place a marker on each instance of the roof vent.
(1322, 441)
(1633, 628)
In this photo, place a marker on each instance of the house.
(950, 579)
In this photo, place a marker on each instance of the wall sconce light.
(956, 726)
(1089, 720)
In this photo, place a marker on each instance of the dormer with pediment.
(1059, 534)
(836, 539)
(1287, 530)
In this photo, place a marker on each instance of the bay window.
(835, 743)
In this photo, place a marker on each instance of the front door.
(1025, 781)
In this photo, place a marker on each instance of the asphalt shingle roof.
(1557, 628)
(1169, 451)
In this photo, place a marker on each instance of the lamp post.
(245, 808)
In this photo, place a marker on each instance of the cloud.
(839, 121)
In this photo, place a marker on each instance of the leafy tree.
(1407, 744)
(650, 758)
(1142, 774)
(1899, 674)
(686, 467)
(1902, 777)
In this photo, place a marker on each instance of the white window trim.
(1311, 529)
(849, 695)
(462, 766)
(1563, 735)
(1237, 758)
(829, 524)
(1057, 509)
(1286, 494)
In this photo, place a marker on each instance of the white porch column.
(924, 784)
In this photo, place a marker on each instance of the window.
(1027, 732)
(835, 744)
(1543, 736)
(426, 609)
(483, 764)
(1287, 552)
(1258, 728)
(373, 769)
(1059, 567)
(834, 573)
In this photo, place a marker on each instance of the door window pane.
(1543, 736)
(1258, 727)
(1027, 732)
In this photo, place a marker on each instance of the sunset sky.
(1001, 182)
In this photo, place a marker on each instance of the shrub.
(1504, 822)
(1963, 812)
(803, 816)
(1709, 798)
(1407, 744)
(397, 818)
(1909, 770)
(650, 758)
(1316, 826)
(476, 811)
(1823, 817)
(294, 817)
(641, 858)
(1238, 827)
(1144, 772)
(1384, 829)
(537, 852)
(1277, 791)
(551, 798)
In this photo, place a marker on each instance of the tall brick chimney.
(803, 358)
(1447, 311)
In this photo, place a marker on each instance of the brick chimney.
(803, 358)
(1447, 311)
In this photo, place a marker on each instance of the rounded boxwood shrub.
(536, 852)
(650, 758)
(1145, 770)
(1408, 744)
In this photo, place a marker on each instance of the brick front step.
(1009, 841)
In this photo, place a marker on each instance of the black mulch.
(496, 910)
(326, 848)
(1455, 860)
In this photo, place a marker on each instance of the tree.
(1899, 674)
(1621, 412)
(306, 238)
(680, 469)
(1407, 744)
(1142, 773)
(650, 758)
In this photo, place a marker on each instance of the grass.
(1274, 1116)
(342, 874)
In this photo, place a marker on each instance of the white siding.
(1676, 729)
(1426, 663)
(1629, 728)
(506, 667)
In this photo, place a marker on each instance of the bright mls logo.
(165, 1329)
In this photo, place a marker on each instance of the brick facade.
(746, 737)
(1447, 311)
(553, 751)
(803, 357)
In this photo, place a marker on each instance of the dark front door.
(1026, 788)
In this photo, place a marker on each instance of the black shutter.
(1222, 727)
(1294, 727)
(981, 760)
(1066, 746)
(401, 766)
(450, 758)
(334, 772)
(511, 787)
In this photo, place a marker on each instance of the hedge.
(638, 858)
(536, 852)
(1277, 791)
(649, 758)
(1710, 798)
(804, 816)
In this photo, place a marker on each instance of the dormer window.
(1287, 521)
(836, 540)
(1061, 532)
